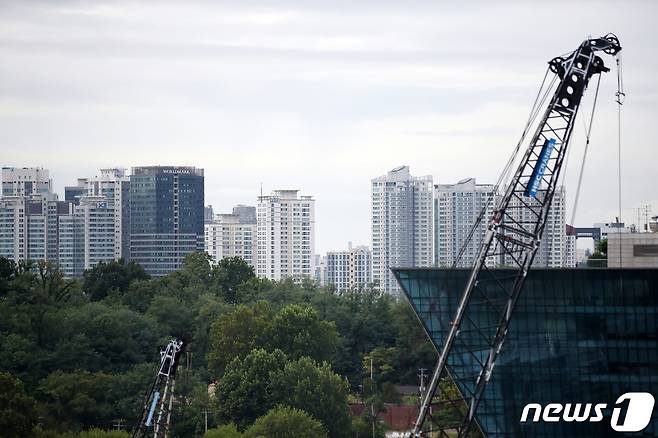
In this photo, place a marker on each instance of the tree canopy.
(18, 413)
(82, 352)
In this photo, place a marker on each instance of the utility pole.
(647, 214)
(422, 373)
(205, 411)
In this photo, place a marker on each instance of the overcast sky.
(317, 96)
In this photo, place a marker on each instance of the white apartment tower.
(28, 215)
(230, 235)
(286, 235)
(402, 225)
(457, 206)
(113, 184)
(87, 235)
(25, 181)
(570, 250)
(351, 269)
(553, 251)
(456, 209)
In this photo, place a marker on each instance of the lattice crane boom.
(155, 419)
(513, 237)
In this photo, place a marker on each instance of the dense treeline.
(80, 353)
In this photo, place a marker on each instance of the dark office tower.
(166, 216)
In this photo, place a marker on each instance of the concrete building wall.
(227, 236)
(402, 225)
(638, 250)
(285, 236)
(350, 269)
(456, 209)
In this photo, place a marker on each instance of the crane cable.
(621, 97)
(532, 116)
(588, 134)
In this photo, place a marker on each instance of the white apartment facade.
(553, 251)
(227, 235)
(401, 225)
(285, 236)
(113, 184)
(351, 269)
(320, 266)
(87, 235)
(28, 215)
(25, 181)
(456, 209)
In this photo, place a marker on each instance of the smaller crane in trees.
(155, 419)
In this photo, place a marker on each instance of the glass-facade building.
(577, 336)
(166, 216)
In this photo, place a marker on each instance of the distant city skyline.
(316, 97)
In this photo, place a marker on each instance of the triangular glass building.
(577, 336)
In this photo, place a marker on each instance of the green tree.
(108, 276)
(363, 319)
(362, 427)
(18, 413)
(172, 314)
(235, 334)
(413, 349)
(224, 431)
(79, 400)
(304, 384)
(230, 273)
(379, 364)
(196, 270)
(8, 273)
(298, 331)
(139, 295)
(286, 422)
(244, 391)
(599, 259)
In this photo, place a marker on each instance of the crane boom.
(155, 419)
(512, 238)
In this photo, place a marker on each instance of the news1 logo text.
(630, 413)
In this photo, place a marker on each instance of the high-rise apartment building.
(208, 214)
(73, 194)
(25, 181)
(228, 235)
(246, 213)
(29, 215)
(402, 224)
(166, 216)
(87, 235)
(320, 267)
(351, 269)
(96, 225)
(286, 235)
(570, 248)
(456, 209)
(71, 246)
(552, 251)
(113, 184)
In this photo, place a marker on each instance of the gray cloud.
(320, 96)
